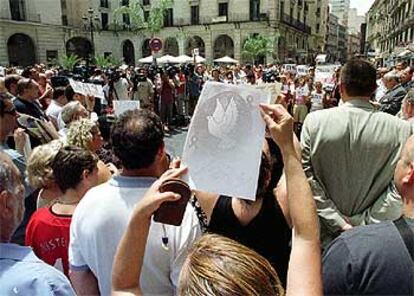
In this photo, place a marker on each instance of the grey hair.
(392, 76)
(409, 97)
(6, 177)
(69, 111)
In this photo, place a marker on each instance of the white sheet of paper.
(224, 141)
(275, 89)
(95, 90)
(77, 86)
(122, 106)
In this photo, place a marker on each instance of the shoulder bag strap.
(406, 234)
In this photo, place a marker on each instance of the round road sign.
(155, 44)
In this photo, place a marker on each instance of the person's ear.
(409, 177)
(161, 150)
(5, 203)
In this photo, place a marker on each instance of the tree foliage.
(257, 46)
(135, 10)
(68, 62)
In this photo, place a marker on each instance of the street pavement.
(174, 141)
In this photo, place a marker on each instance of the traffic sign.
(155, 44)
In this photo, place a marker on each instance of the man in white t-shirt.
(103, 214)
(59, 100)
(121, 87)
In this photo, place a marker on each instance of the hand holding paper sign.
(280, 124)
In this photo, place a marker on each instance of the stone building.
(354, 44)
(340, 8)
(43, 30)
(390, 28)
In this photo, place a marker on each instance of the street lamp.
(91, 24)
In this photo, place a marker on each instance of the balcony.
(292, 22)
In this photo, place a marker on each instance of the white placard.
(325, 74)
(124, 105)
(2, 71)
(224, 141)
(91, 89)
(274, 88)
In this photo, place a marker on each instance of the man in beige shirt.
(349, 155)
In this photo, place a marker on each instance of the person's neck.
(71, 196)
(145, 172)
(245, 211)
(347, 99)
(25, 98)
(408, 209)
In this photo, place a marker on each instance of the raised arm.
(130, 253)
(304, 273)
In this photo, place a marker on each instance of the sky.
(362, 5)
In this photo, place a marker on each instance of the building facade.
(390, 29)
(340, 8)
(354, 45)
(319, 18)
(44, 30)
(355, 21)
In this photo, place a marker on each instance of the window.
(125, 19)
(104, 3)
(195, 15)
(107, 54)
(282, 9)
(104, 21)
(223, 9)
(317, 28)
(125, 3)
(64, 20)
(63, 4)
(146, 15)
(17, 10)
(146, 2)
(51, 56)
(254, 10)
(168, 18)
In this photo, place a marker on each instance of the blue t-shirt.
(22, 273)
(369, 260)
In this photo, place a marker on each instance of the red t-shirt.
(48, 234)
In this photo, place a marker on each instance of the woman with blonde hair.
(40, 172)
(85, 134)
(218, 266)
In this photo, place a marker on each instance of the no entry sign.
(155, 44)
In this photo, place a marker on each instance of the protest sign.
(224, 141)
(124, 105)
(274, 88)
(85, 89)
(325, 74)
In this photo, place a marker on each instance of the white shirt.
(317, 101)
(53, 111)
(99, 222)
(121, 88)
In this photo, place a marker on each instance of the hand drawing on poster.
(224, 141)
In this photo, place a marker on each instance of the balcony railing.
(290, 21)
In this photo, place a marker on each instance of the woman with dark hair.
(216, 265)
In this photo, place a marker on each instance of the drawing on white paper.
(222, 122)
(223, 146)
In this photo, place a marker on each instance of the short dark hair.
(69, 164)
(358, 77)
(23, 84)
(58, 92)
(136, 137)
(69, 93)
(11, 79)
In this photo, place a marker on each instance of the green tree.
(69, 61)
(135, 10)
(257, 46)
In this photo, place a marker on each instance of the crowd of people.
(334, 207)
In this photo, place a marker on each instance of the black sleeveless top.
(268, 233)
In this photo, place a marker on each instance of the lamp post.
(91, 24)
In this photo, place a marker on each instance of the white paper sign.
(122, 106)
(91, 89)
(325, 74)
(224, 141)
(275, 89)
